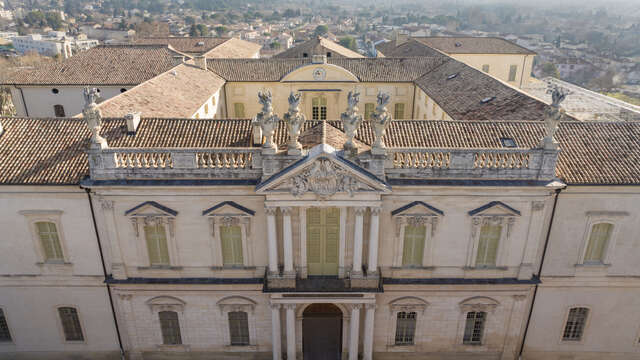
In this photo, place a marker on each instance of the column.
(368, 331)
(291, 331)
(373, 241)
(302, 213)
(271, 237)
(287, 241)
(354, 332)
(357, 241)
(276, 337)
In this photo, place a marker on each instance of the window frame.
(369, 108)
(584, 328)
(236, 303)
(52, 216)
(61, 327)
(615, 218)
(148, 213)
(168, 303)
(493, 213)
(415, 214)
(482, 331)
(405, 304)
(321, 108)
(229, 213)
(245, 321)
(415, 325)
(396, 110)
(236, 106)
(162, 328)
(477, 304)
(59, 109)
(11, 340)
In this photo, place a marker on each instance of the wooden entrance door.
(322, 332)
(323, 239)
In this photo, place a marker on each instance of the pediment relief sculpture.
(325, 179)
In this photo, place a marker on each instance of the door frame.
(304, 269)
(345, 325)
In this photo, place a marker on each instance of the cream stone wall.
(499, 65)
(427, 109)
(210, 108)
(38, 101)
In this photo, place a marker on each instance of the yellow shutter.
(488, 245)
(239, 110)
(598, 241)
(231, 242)
(323, 240)
(413, 245)
(368, 110)
(332, 241)
(513, 69)
(314, 241)
(399, 111)
(50, 241)
(157, 244)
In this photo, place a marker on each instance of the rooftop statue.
(267, 121)
(558, 94)
(351, 119)
(93, 118)
(380, 121)
(553, 116)
(294, 120)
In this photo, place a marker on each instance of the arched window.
(405, 328)
(50, 241)
(170, 327)
(474, 327)
(239, 328)
(58, 110)
(70, 324)
(574, 328)
(598, 242)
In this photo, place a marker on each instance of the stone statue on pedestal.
(268, 122)
(351, 120)
(553, 116)
(92, 116)
(294, 120)
(380, 120)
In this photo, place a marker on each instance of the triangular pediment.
(495, 208)
(324, 173)
(417, 208)
(319, 73)
(228, 208)
(151, 208)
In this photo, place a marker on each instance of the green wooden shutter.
(488, 245)
(157, 244)
(332, 241)
(314, 241)
(399, 111)
(598, 241)
(323, 240)
(513, 69)
(231, 241)
(413, 245)
(50, 241)
(239, 110)
(368, 110)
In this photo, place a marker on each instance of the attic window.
(200, 43)
(329, 54)
(457, 44)
(305, 55)
(487, 99)
(123, 90)
(452, 76)
(508, 142)
(55, 91)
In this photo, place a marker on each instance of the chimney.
(178, 59)
(133, 120)
(201, 62)
(319, 59)
(256, 134)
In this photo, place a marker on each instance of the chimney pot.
(133, 120)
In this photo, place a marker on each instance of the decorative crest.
(380, 120)
(351, 119)
(324, 179)
(267, 121)
(93, 117)
(294, 120)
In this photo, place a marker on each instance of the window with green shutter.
(488, 245)
(231, 239)
(156, 237)
(513, 69)
(398, 112)
(323, 240)
(414, 238)
(48, 234)
(238, 109)
(598, 241)
(368, 110)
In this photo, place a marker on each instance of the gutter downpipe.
(104, 271)
(535, 289)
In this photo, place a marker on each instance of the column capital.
(375, 210)
(370, 306)
(290, 306)
(275, 306)
(270, 210)
(360, 210)
(286, 210)
(356, 306)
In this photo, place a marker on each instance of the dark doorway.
(322, 332)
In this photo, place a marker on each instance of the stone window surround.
(614, 218)
(168, 303)
(54, 216)
(238, 303)
(427, 217)
(237, 217)
(138, 220)
(476, 303)
(11, 333)
(561, 341)
(478, 218)
(406, 304)
(61, 329)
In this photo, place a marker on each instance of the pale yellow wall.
(499, 65)
(427, 109)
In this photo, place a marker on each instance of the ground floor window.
(474, 327)
(405, 328)
(239, 328)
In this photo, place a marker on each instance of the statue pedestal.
(294, 151)
(378, 151)
(269, 150)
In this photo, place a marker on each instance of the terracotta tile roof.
(366, 69)
(234, 49)
(591, 152)
(190, 45)
(460, 90)
(409, 48)
(177, 93)
(318, 46)
(473, 45)
(102, 65)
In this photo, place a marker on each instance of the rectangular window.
(598, 241)
(405, 328)
(414, 237)
(485, 68)
(368, 110)
(231, 238)
(5, 335)
(513, 69)
(239, 328)
(48, 234)
(206, 109)
(574, 327)
(156, 237)
(398, 111)
(58, 110)
(70, 324)
(319, 108)
(170, 327)
(488, 245)
(238, 109)
(474, 328)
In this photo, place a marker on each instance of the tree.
(54, 20)
(220, 30)
(275, 45)
(199, 30)
(349, 42)
(548, 69)
(321, 30)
